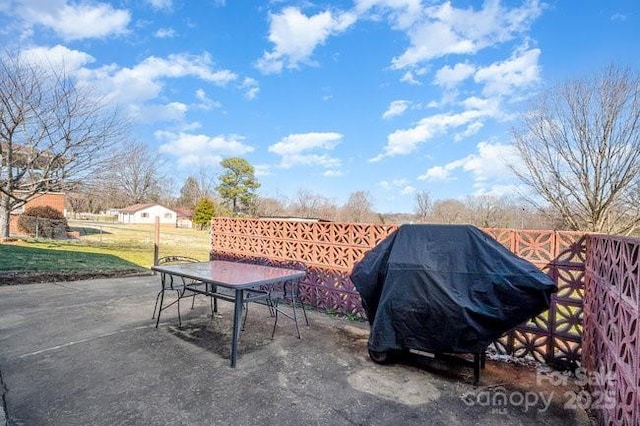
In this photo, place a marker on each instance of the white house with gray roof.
(147, 213)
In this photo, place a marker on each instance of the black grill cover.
(446, 288)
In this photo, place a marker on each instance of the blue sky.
(386, 96)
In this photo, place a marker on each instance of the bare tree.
(190, 193)
(579, 147)
(197, 186)
(167, 193)
(358, 208)
(135, 175)
(488, 211)
(310, 205)
(52, 134)
(270, 207)
(423, 205)
(449, 211)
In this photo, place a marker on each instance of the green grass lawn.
(102, 248)
(39, 258)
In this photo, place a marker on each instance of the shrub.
(43, 222)
(204, 211)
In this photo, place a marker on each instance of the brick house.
(51, 199)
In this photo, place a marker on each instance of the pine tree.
(238, 185)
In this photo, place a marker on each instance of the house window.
(145, 215)
(168, 215)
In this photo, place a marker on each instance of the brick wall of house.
(52, 199)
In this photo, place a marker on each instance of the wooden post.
(156, 240)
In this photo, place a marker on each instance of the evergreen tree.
(204, 211)
(238, 185)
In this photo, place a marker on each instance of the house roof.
(184, 213)
(141, 206)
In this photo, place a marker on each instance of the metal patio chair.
(169, 283)
(281, 295)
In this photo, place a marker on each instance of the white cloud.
(451, 76)
(295, 36)
(204, 102)
(137, 89)
(443, 30)
(251, 88)
(405, 141)
(500, 190)
(161, 4)
(618, 17)
(491, 162)
(198, 149)
(395, 185)
(58, 57)
(296, 149)
(296, 143)
(437, 173)
(144, 82)
(165, 33)
(409, 78)
(475, 102)
(262, 169)
(333, 173)
(75, 20)
(402, 13)
(395, 109)
(519, 71)
(471, 130)
(172, 111)
(408, 190)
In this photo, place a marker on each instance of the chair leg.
(162, 308)
(295, 316)
(246, 313)
(275, 322)
(178, 302)
(161, 294)
(296, 296)
(271, 305)
(304, 311)
(156, 305)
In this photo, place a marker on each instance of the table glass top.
(231, 274)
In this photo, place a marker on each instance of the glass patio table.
(249, 283)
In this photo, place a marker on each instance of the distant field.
(135, 242)
(102, 247)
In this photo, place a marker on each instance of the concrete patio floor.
(87, 352)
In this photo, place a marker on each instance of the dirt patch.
(22, 277)
(395, 384)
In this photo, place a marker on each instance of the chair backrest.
(176, 259)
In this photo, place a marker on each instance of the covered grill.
(446, 289)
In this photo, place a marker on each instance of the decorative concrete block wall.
(330, 251)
